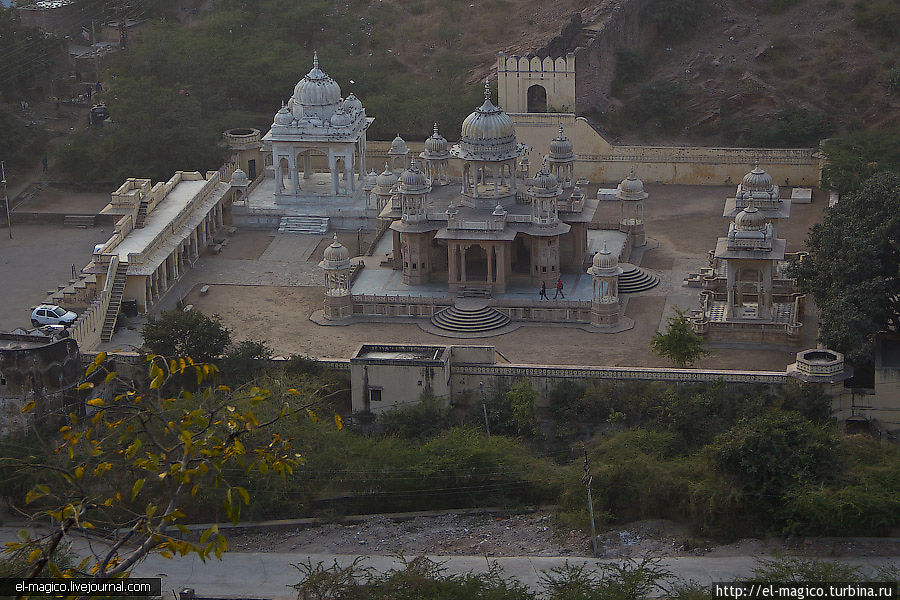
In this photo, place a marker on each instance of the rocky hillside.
(772, 72)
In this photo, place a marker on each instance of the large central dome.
(487, 134)
(316, 95)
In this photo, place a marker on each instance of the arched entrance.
(537, 99)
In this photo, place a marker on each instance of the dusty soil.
(280, 315)
(535, 535)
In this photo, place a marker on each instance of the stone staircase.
(471, 317)
(115, 302)
(307, 225)
(79, 220)
(633, 280)
(141, 216)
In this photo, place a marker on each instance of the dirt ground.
(280, 315)
(535, 535)
(684, 220)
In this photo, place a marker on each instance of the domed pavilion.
(758, 188)
(498, 229)
(318, 142)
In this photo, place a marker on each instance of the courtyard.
(265, 286)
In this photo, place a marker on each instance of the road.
(270, 574)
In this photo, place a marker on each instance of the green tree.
(183, 334)
(136, 461)
(855, 157)
(852, 267)
(521, 399)
(679, 343)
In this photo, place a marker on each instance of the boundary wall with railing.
(89, 324)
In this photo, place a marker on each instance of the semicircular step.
(463, 320)
(634, 279)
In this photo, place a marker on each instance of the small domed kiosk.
(336, 264)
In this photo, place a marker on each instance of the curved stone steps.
(634, 279)
(469, 320)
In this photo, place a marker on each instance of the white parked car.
(50, 314)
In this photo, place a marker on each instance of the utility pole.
(587, 479)
(487, 425)
(5, 197)
(95, 51)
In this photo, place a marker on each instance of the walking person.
(543, 295)
(559, 289)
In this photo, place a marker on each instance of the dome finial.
(560, 130)
(315, 59)
(604, 251)
(435, 129)
(487, 88)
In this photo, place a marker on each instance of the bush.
(676, 19)
(855, 157)
(892, 80)
(630, 67)
(770, 455)
(660, 104)
(881, 17)
(423, 420)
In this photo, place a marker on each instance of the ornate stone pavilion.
(318, 143)
(498, 227)
(746, 296)
(757, 187)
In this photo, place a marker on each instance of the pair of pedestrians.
(559, 290)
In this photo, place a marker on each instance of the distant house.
(52, 16)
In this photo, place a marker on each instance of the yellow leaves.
(312, 415)
(108, 502)
(195, 489)
(100, 358)
(136, 488)
(34, 555)
(96, 402)
(28, 407)
(91, 368)
(85, 386)
(102, 468)
(294, 392)
(223, 388)
(79, 472)
(338, 422)
(245, 496)
(109, 377)
(150, 510)
(39, 491)
(157, 381)
(238, 447)
(133, 448)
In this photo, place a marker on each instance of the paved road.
(269, 574)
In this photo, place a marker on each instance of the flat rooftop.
(160, 218)
(390, 352)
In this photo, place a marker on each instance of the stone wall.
(31, 368)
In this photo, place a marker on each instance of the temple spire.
(315, 59)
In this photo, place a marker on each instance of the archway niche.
(537, 99)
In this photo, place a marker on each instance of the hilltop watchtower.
(535, 85)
